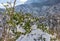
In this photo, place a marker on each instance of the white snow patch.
(20, 29)
(35, 34)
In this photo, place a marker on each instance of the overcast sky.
(17, 3)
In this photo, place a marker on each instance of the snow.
(34, 27)
(34, 34)
(20, 29)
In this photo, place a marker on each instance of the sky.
(17, 3)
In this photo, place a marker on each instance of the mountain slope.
(38, 8)
(2, 10)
